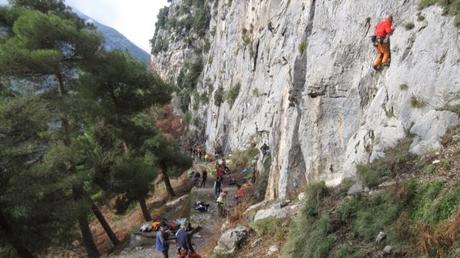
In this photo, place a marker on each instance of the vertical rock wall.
(308, 89)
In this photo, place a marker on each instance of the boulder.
(388, 249)
(302, 196)
(273, 249)
(276, 211)
(230, 241)
(356, 188)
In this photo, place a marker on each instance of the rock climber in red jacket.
(383, 30)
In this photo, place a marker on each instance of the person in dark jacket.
(183, 239)
(204, 177)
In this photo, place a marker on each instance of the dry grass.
(432, 240)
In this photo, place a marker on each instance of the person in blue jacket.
(161, 242)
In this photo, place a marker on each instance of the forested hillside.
(77, 125)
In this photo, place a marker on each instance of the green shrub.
(453, 108)
(187, 117)
(232, 94)
(197, 122)
(397, 160)
(451, 7)
(308, 237)
(424, 196)
(409, 25)
(417, 103)
(315, 192)
(204, 98)
(255, 92)
(302, 47)
(433, 202)
(186, 83)
(348, 208)
(457, 20)
(403, 86)
(219, 96)
(420, 17)
(374, 215)
(268, 226)
(373, 174)
(242, 158)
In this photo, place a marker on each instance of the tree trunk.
(15, 242)
(108, 230)
(144, 209)
(167, 183)
(88, 241)
(77, 190)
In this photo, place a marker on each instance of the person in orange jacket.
(382, 33)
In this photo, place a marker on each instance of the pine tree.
(47, 46)
(117, 93)
(34, 200)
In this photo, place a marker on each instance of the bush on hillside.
(219, 96)
(397, 160)
(451, 7)
(232, 94)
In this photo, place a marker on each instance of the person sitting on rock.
(383, 30)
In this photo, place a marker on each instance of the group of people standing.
(183, 242)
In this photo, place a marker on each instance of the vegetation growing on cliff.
(195, 16)
(451, 7)
(418, 210)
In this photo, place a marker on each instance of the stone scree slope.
(325, 110)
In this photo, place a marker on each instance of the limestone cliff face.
(307, 86)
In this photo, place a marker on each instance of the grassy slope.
(417, 208)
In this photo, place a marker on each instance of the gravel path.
(210, 222)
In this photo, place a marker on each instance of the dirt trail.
(209, 222)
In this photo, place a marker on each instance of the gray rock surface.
(355, 189)
(322, 111)
(230, 240)
(276, 211)
(388, 249)
(272, 250)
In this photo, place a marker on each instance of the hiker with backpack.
(381, 39)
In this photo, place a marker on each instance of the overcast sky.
(133, 18)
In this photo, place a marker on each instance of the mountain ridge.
(115, 39)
